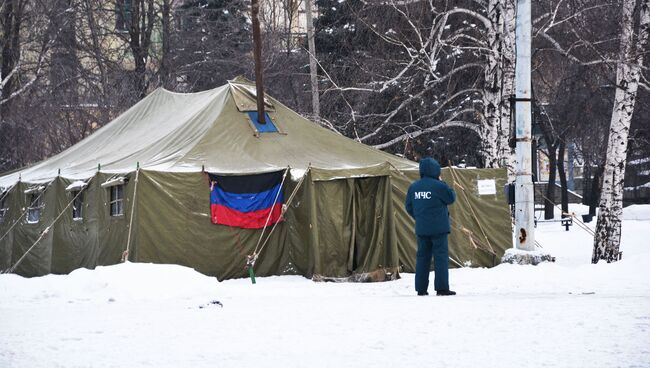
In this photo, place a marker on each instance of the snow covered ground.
(567, 314)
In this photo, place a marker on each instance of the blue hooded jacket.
(427, 200)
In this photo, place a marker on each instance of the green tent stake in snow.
(250, 262)
(251, 273)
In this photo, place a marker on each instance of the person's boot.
(445, 292)
(422, 293)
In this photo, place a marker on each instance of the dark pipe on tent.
(257, 53)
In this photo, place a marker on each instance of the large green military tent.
(140, 183)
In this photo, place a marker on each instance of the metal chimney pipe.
(257, 54)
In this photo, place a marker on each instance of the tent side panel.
(113, 231)
(39, 260)
(175, 227)
(13, 205)
(481, 224)
(467, 244)
(75, 243)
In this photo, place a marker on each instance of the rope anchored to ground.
(252, 258)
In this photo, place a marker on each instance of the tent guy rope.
(284, 209)
(275, 200)
(5, 192)
(25, 211)
(581, 224)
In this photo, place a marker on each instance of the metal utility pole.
(313, 71)
(257, 54)
(524, 189)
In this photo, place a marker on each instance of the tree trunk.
(142, 24)
(100, 60)
(313, 69)
(508, 83)
(563, 182)
(165, 70)
(549, 201)
(608, 228)
(12, 17)
(492, 88)
(594, 192)
(499, 85)
(64, 68)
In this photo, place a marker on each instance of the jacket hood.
(429, 168)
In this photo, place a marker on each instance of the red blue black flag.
(249, 201)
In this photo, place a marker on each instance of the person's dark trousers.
(429, 246)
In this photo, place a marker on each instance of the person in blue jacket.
(426, 201)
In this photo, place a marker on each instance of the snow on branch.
(443, 125)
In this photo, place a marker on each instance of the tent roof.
(178, 132)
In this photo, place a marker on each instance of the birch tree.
(633, 46)
(498, 84)
(443, 69)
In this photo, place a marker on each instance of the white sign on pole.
(487, 187)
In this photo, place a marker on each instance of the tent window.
(117, 200)
(3, 206)
(35, 207)
(77, 205)
(269, 127)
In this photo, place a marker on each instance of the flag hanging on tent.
(250, 201)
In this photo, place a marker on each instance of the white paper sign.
(487, 187)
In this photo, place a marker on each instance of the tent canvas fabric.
(347, 215)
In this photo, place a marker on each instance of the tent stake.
(250, 263)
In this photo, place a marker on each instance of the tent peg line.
(277, 195)
(581, 224)
(5, 193)
(25, 211)
(250, 259)
(456, 262)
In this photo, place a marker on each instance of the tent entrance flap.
(355, 228)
